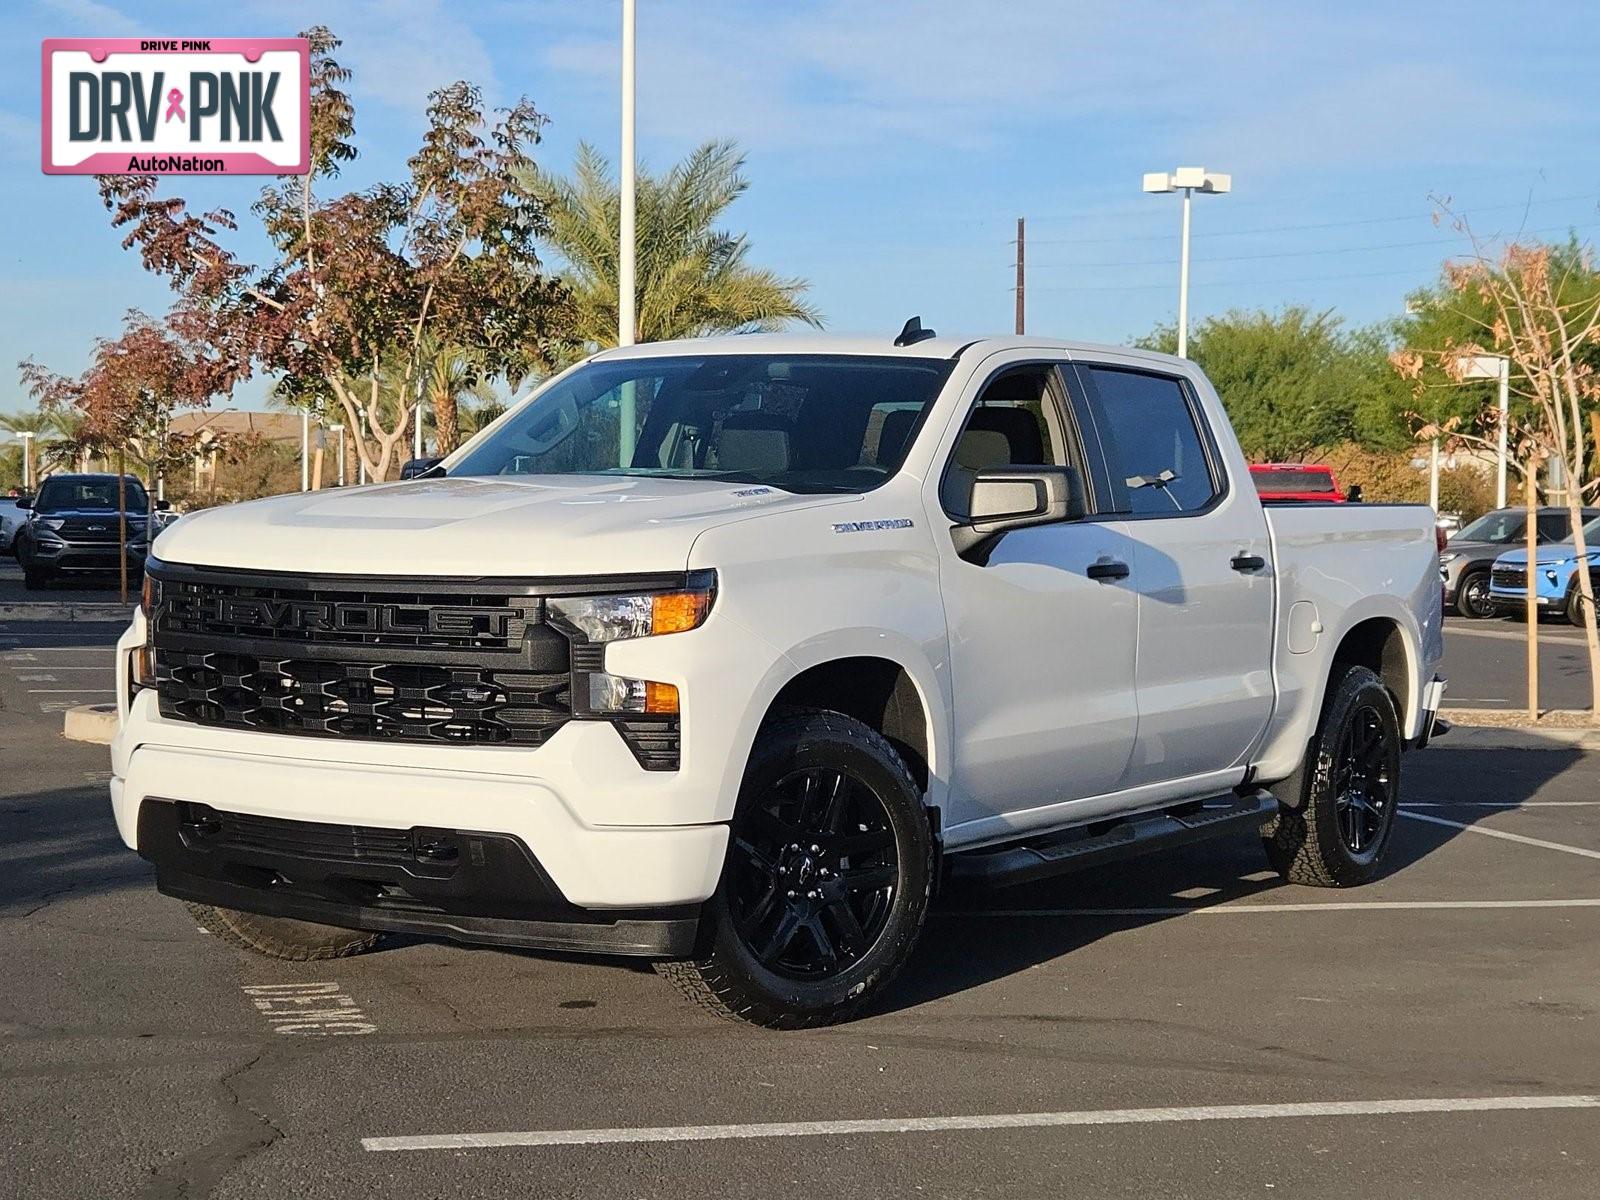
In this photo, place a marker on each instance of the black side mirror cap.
(422, 468)
(163, 505)
(24, 502)
(1006, 498)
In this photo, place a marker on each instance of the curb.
(1517, 736)
(91, 723)
(66, 612)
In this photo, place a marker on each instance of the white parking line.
(71, 691)
(1499, 833)
(1039, 1120)
(1226, 910)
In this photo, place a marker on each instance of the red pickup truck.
(1292, 482)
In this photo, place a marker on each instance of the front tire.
(1338, 808)
(282, 937)
(1575, 607)
(829, 870)
(35, 578)
(1472, 596)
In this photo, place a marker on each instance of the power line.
(1216, 283)
(1167, 262)
(1216, 233)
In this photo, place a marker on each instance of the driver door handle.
(1247, 562)
(1108, 570)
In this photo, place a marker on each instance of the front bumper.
(465, 885)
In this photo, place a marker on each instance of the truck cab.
(729, 653)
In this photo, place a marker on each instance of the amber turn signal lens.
(660, 697)
(675, 612)
(147, 595)
(144, 667)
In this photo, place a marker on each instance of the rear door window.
(1158, 459)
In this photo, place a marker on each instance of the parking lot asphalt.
(1487, 663)
(1180, 1026)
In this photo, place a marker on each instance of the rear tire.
(282, 937)
(829, 870)
(1338, 808)
(1472, 596)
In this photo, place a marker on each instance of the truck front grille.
(386, 660)
(372, 701)
(93, 531)
(1509, 579)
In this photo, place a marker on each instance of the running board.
(1108, 841)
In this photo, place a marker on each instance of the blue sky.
(892, 145)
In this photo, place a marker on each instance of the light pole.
(26, 436)
(416, 444)
(339, 429)
(1493, 366)
(1188, 180)
(627, 314)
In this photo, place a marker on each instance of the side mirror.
(1353, 496)
(24, 502)
(421, 468)
(1006, 498)
(163, 505)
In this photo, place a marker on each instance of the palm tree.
(450, 372)
(56, 438)
(692, 278)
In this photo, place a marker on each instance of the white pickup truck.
(731, 653)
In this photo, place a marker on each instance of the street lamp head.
(1196, 179)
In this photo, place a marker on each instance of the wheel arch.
(1380, 644)
(880, 693)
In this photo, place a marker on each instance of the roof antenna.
(913, 332)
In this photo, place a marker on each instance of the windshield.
(75, 495)
(1271, 482)
(803, 423)
(1492, 527)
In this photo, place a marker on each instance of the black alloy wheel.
(1472, 597)
(1363, 787)
(825, 886)
(814, 872)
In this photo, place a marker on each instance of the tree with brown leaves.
(362, 280)
(1529, 306)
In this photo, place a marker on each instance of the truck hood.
(534, 525)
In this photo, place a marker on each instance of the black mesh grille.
(216, 829)
(1509, 578)
(371, 701)
(91, 531)
(377, 662)
(434, 661)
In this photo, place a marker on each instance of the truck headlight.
(1448, 558)
(51, 523)
(602, 619)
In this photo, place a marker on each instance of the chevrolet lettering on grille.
(326, 616)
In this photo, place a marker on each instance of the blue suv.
(1555, 569)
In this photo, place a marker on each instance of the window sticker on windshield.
(872, 526)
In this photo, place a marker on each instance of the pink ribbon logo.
(175, 106)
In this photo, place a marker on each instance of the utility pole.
(1022, 280)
